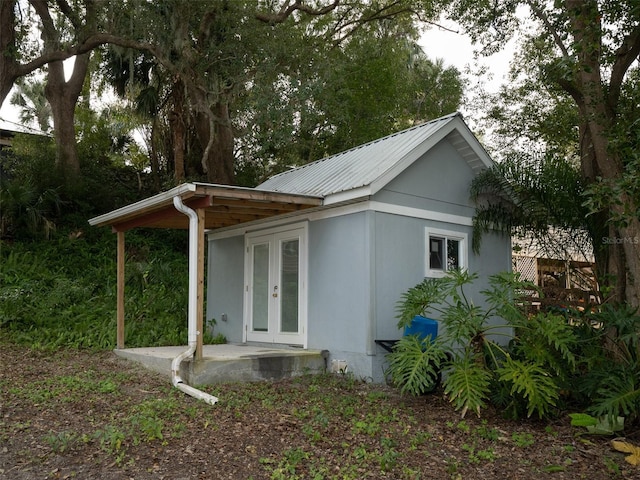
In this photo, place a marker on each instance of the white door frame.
(274, 237)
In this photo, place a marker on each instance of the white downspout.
(193, 307)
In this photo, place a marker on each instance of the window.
(445, 251)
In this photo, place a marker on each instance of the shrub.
(478, 366)
(62, 292)
(588, 360)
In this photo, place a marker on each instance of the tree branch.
(626, 54)
(287, 9)
(49, 32)
(544, 18)
(68, 12)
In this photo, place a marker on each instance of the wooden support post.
(120, 293)
(200, 295)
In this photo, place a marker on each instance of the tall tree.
(216, 49)
(219, 49)
(583, 50)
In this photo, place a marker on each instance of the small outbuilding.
(394, 211)
(316, 258)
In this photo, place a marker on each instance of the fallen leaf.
(626, 447)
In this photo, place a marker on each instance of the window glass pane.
(453, 254)
(290, 281)
(436, 253)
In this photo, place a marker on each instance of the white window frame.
(461, 238)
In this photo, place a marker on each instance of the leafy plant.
(477, 365)
(522, 439)
(416, 363)
(612, 381)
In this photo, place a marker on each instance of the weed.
(389, 456)
(487, 454)
(612, 466)
(463, 426)
(287, 467)
(523, 439)
(419, 438)
(452, 466)
(110, 438)
(487, 433)
(369, 426)
(61, 442)
(313, 434)
(554, 468)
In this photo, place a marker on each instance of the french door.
(276, 287)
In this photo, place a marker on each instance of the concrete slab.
(231, 362)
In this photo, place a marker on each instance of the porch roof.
(223, 206)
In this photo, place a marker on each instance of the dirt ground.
(83, 415)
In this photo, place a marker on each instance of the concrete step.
(232, 362)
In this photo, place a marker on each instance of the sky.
(456, 49)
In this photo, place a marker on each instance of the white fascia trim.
(347, 196)
(338, 211)
(164, 197)
(476, 146)
(422, 214)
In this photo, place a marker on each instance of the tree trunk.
(153, 156)
(8, 62)
(63, 96)
(599, 115)
(177, 124)
(219, 159)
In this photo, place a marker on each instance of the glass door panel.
(260, 288)
(289, 285)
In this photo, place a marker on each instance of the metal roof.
(369, 167)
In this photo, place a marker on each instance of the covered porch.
(199, 208)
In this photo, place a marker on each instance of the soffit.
(221, 205)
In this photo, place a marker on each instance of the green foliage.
(591, 360)
(416, 363)
(467, 384)
(611, 381)
(478, 367)
(549, 340)
(526, 194)
(532, 382)
(62, 292)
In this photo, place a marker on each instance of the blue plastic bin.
(422, 327)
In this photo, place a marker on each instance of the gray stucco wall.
(439, 181)
(225, 283)
(339, 293)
